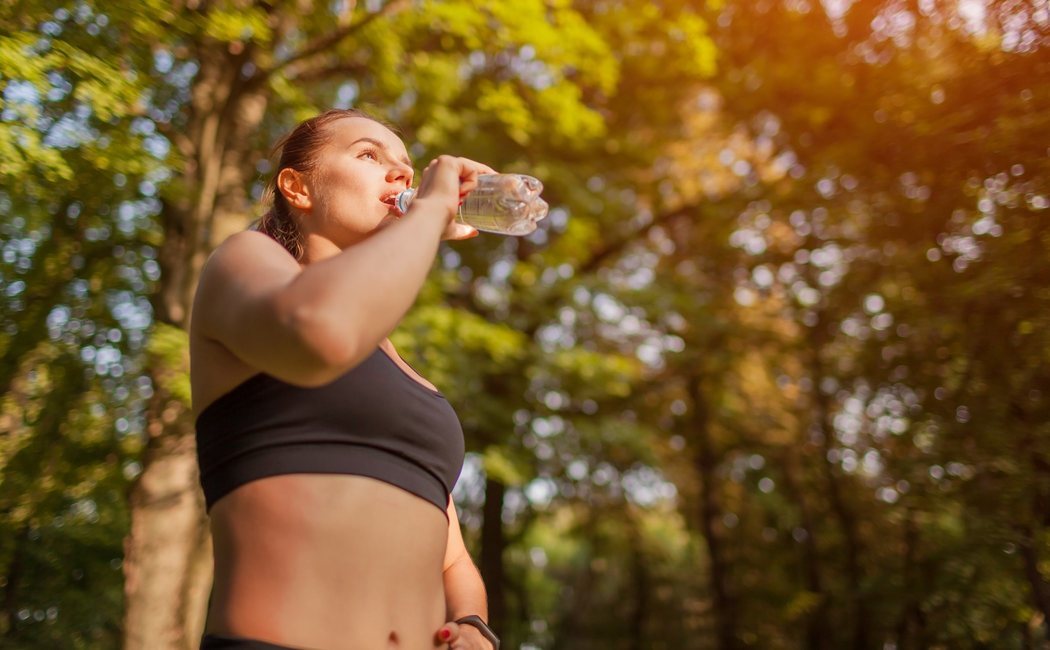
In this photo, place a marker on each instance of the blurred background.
(774, 373)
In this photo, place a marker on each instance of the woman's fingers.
(446, 635)
(468, 179)
(458, 231)
(445, 171)
(448, 179)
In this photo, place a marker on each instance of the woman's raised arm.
(309, 325)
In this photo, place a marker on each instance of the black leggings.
(222, 642)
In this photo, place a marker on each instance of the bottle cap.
(402, 200)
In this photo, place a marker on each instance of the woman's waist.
(368, 613)
(297, 553)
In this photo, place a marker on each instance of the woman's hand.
(461, 637)
(447, 179)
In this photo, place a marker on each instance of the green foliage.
(74, 276)
(62, 492)
(602, 374)
(506, 470)
(232, 23)
(169, 347)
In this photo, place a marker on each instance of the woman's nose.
(399, 173)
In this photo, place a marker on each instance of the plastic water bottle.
(506, 204)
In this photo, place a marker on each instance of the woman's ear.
(292, 185)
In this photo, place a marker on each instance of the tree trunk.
(13, 580)
(1026, 636)
(706, 462)
(844, 515)
(167, 572)
(640, 576)
(168, 563)
(1040, 514)
(817, 637)
(909, 630)
(571, 628)
(1039, 585)
(493, 543)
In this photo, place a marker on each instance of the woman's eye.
(370, 154)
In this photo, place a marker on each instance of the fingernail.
(445, 634)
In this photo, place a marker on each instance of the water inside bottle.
(506, 204)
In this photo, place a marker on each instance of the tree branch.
(617, 245)
(333, 38)
(323, 73)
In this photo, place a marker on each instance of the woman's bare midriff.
(328, 562)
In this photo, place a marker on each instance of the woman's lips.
(389, 201)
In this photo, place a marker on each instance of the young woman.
(326, 460)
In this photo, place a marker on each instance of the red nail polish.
(445, 634)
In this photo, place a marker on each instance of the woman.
(326, 460)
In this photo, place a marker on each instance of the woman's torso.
(320, 560)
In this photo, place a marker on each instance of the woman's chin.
(390, 218)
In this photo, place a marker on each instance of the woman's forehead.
(349, 130)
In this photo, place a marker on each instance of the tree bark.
(1039, 504)
(167, 573)
(493, 543)
(12, 581)
(706, 462)
(1039, 585)
(640, 578)
(571, 627)
(844, 514)
(910, 628)
(817, 636)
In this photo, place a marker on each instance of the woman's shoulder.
(248, 251)
(246, 264)
(250, 241)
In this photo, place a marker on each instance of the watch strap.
(476, 621)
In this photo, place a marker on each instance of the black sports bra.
(373, 421)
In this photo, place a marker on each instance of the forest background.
(775, 372)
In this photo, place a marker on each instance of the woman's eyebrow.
(382, 146)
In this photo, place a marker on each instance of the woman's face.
(363, 166)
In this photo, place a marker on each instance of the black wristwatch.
(485, 630)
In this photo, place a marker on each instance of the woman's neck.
(317, 248)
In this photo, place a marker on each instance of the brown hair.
(299, 150)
